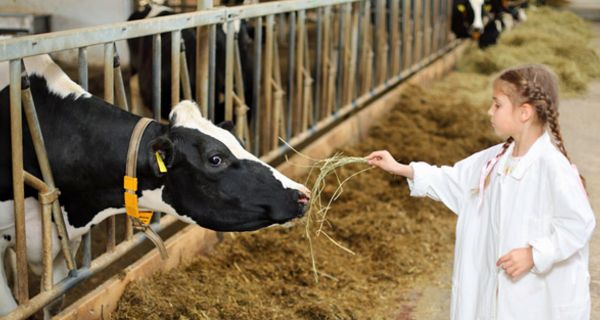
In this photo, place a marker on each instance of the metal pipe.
(83, 68)
(175, 67)
(291, 70)
(44, 164)
(325, 107)
(395, 37)
(319, 71)
(16, 129)
(202, 59)
(351, 93)
(87, 249)
(185, 75)
(212, 48)
(109, 97)
(339, 59)
(156, 76)
(241, 108)
(265, 127)
(25, 310)
(229, 71)
(256, 88)
(121, 97)
(297, 112)
(72, 39)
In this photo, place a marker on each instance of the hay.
(559, 39)
(317, 210)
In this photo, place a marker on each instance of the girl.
(524, 220)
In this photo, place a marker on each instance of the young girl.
(524, 220)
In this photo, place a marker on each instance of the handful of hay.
(318, 207)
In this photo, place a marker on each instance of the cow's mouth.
(303, 199)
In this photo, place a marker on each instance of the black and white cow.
(211, 180)
(484, 20)
(141, 60)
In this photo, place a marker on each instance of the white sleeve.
(572, 223)
(447, 184)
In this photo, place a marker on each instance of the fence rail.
(336, 55)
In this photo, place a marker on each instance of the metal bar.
(212, 48)
(241, 108)
(202, 57)
(42, 188)
(291, 69)
(87, 249)
(185, 75)
(156, 76)
(347, 53)
(395, 36)
(407, 33)
(297, 113)
(229, 71)
(175, 67)
(351, 92)
(427, 28)
(278, 114)
(119, 89)
(256, 88)
(109, 94)
(25, 310)
(265, 126)
(83, 68)
(382, 43)
(325, 108)
(308, 81)
(365, 63)
(109, 97)
(71, 39)
(340, 57)
(44, 164)
(16, 128)
(418, 30)
(319, 72)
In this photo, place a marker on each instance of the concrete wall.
(72, 14)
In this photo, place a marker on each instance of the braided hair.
(537, 85)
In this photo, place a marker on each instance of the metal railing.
(336, 55)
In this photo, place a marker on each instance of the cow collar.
(141, 218)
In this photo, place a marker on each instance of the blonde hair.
(536, 85)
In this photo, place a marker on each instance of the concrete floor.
(580, 122)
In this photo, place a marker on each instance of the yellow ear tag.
(461, 8)
(161, 165)
(487, 8)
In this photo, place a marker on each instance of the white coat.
(542, 204)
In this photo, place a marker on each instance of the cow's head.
(215, 182)
(469, 17)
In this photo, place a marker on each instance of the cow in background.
(484, 20)
(141, 60)
(210, 180)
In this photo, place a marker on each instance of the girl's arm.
(447, 184)
(572, 222)
(384, 160)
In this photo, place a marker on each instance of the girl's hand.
(516, 262)
(384, 160)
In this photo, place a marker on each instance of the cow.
(141, 60)
(484, 20)
(210, 180)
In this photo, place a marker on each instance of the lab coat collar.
(529, 158)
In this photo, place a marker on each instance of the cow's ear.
(227, 125)
(162, 155)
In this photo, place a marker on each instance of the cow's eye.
(215, 161)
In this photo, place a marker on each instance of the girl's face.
(504, 115)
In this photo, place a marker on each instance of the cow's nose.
(303, 201)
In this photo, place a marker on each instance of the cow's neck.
(89, 156)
